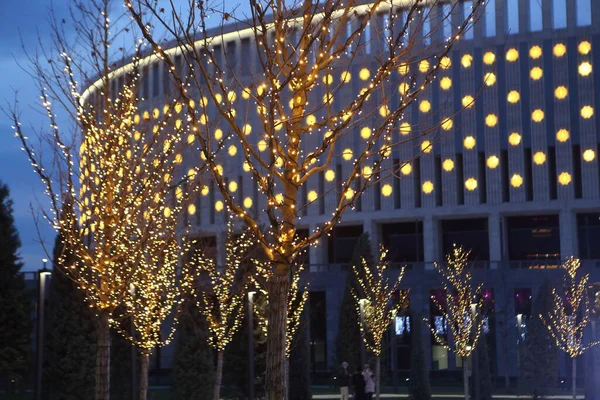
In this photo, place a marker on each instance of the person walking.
(369, 382)
(359, 384)
(344, 381)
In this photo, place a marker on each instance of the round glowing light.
(346, 76)
(278, 124)
(489, 58)
(246, 93)
(448, 165)
(349, 194)
(492, 162)
(445, 83)
(178, 107)
(584, 47)
(231, 96)
(179, 193)
(466, 60)
(233, 186)
(247, 129)
(403, 88)
(204, 101)
(562, 135)
(364, 74)
(403, 69)
(204, 191)
(512, 55)
(427, 187)
(327, 98)
(535, 52)
(384, 110)
(218, 134)
(365, 132)
(536, 73)
(424, 106)
(513, 96)
(178, 124)
(491, 120)
(386, 190)
(564, 178)
(137, 135)
(178, 158)
(248, 202)
(219, 169)
(539, 158)
(191, 209)
(218, 97)
(219, 205)
(367, 172)
(312, 196)
(191, 138)
(468, 101)
(262, 145)
(404, 128)
(516, 180)
(136, 119)
(232, 150)
(489, 79)
(347, 154)
(587, 112)
(424, 66)
(471, 184)
(559, 50)
(328, 79)
(585, 68)
(155, 113)
(191, 174)
(406, 169)
(447, 124)
(469, 142)
(561, 92)
(514, 139)
(329, 175)
(311, 120)
(167, 212)
(426, 146)
(246, 166)
(589, 155)
(146, 115)
(279, 198)
(537, 115)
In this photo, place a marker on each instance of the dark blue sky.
(25, 19)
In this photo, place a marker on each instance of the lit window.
(232, 150)
(585, 68)
(466, 60)
(403, 88)
(346, 76)
(329, 175)
(448, 165)
(489, 58)
(536, 73)
(468, 101)
(446, 83)
(513, 96)
(559, 50)
(561, 92)
(512, 55)
(587, 112)
(489, 78)
(365, 132)
(367, 172)
(535, 52)
(492, 162)
(248, 202)
(364, 74)
(471, 184)
(424, 66)
(537, 115)
(447, 124)
(445, 62)
(564, 178)
(516, 180)
(403, 69)
(426, 146)
(589, 155)
(562, 135)
(262, 145)
(404, 128)
(491, 120)
(584, 47)
(539, 158)
(386, 190)
(425, 106)
(219, 205)
(191, 209)
(427, 187)
(469, 142)
(312, 196)
(347, 154)
(406, 169)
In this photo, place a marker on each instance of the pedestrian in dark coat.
(358, 380)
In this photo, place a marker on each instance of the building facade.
(514, 176)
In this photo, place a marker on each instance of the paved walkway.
(452, 396)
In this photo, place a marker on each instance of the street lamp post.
(474, 358)
(44, 273)
(251, 345)
(519, 336)
(363, 353)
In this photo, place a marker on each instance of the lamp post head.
(251, 295)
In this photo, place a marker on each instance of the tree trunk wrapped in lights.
(463, 309)
(567, 321)
(302, 111)
(110, 170)
(376, 303)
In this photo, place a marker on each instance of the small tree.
(299, 364)
(375, 301)
(567, 320)
(15, 331)
(463, 309)
(539, 361)
(418, 383)
(484, 373)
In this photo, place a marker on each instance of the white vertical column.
(430, 241)
(495, 238)
(568, 230)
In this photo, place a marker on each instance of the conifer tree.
(418, 383)
(15, 326)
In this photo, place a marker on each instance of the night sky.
(24, 20)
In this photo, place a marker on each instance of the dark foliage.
(418, 383)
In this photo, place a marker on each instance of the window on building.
(534, 240)
(318, 330)
(367, 38)
(559, 14)
(588, 236)
(584, 12)
(439, 355)
(218, 54)
(523, 301)
(426, 26)
(446, 13)
(301, 234)
(467, 10)
(145, 83)
(341, 243)
(245, 56)
(471, 234)
(490, 18)
(231, 66)
(403, 327)
(404, 241)
(512, 17)
(155, 80)
(536, 20)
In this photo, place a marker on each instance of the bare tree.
(303, 114)
(110, 172)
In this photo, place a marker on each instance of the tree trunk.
(574, 373)
(103, 358)
(287, 377)
(218, 375)
(275, 385)
(465, 361)
(377, 377)
(145, 362)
